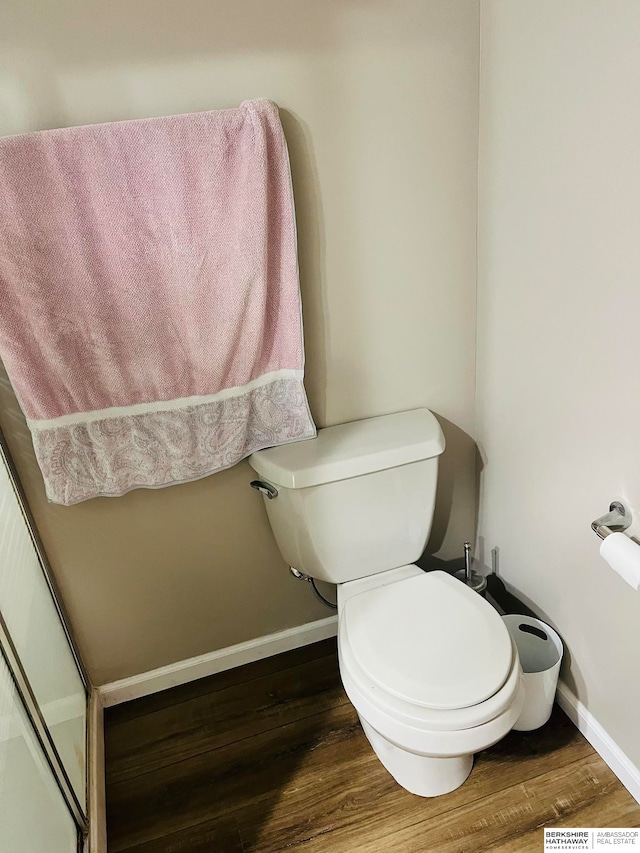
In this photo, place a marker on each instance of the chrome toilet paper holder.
(615, 521)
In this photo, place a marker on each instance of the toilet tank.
(356, 500)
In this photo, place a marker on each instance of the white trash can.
(540, 650)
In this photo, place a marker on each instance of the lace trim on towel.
(113, 456)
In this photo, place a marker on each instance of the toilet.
(428, 664)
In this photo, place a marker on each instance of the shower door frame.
(87, 820)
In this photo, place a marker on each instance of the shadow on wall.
(461, 454)
(125, 51)
(311, 258)
(118, 30)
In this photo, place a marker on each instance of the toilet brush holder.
(478, 583)
(475, 581)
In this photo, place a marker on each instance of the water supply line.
(301, 576)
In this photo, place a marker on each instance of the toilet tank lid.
(351, 450)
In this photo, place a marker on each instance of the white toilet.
(428, 664)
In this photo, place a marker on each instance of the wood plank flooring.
(271, 757)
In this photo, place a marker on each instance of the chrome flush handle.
(267, 489)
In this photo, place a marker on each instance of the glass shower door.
(33, 815)
(43, 692)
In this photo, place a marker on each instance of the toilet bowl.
(425, 726)
(428, 664)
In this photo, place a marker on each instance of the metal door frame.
(20, 678)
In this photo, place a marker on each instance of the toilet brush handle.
(467, 562)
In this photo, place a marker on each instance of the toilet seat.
(430, 652)
(429, 640)
(417, 717)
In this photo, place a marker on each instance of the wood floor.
(270, 757)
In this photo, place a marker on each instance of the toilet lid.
(429, 640)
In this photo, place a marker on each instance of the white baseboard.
(604, 745)
(191, 669)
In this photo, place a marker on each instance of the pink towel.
(150, 308)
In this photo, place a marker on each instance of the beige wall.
(559, 302)
(379, 105)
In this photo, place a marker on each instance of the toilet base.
(419, 774)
